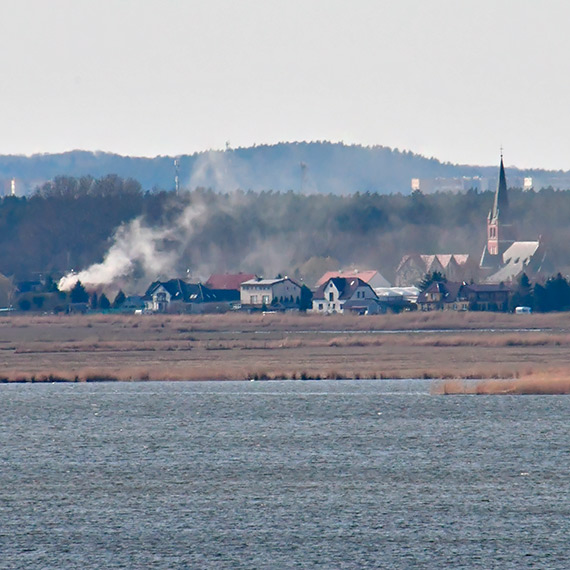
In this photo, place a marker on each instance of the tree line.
(68, 223)
(548, 296)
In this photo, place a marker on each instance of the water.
(329, 474)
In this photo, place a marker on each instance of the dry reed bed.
(296, 321)
(222, 373)
(534, 384)
(291, 342)
(230, 347)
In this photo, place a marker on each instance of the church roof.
(515, 259)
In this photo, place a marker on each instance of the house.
(443, 296)
(458, 296)
(178, 296)
(487, 296)
(340, 294)
(372, 277)
(455, 266)
(228, 280)
(281, 293)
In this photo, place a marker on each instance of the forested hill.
(316, 167)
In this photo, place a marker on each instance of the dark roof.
(453, 291)
(487, 287)
(346, 287)
(179, 290)
(449, 291)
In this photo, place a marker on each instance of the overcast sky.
(445, 78)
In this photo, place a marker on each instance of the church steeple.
(500, 234)
(501, 203)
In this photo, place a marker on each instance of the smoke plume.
(139, 253)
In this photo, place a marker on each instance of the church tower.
(500, 229)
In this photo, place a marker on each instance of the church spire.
(501, 203)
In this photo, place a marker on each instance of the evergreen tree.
(51, 285)
(78, 293)
(306, 300)
(119, 300)
(104, 302)
(522, 296)
(558, 293)
(429, 278)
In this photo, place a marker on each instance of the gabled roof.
(449, 291)
(366, 276)
(179, 290)
(269, 282)
(228, 280)
(515, 260)
(175, 288)
(444, 259)
(346, 287)
(427, 261)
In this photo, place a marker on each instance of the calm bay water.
(328, 474)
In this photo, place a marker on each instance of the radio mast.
(177, 175)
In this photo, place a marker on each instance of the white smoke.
(141, 253)
(217, 170)
(139, 249)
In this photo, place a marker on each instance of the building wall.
(160, 301)
(260, 294)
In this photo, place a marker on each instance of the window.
(265, 299)
(320, 306)
(331, 296)
(253, 300)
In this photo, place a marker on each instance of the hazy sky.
(445, 78)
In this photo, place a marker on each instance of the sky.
(448, 79)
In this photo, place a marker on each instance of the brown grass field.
(445, 346)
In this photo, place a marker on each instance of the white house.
(340, 294)
(256, 293)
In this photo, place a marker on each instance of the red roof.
(228, 280)
(366, 275)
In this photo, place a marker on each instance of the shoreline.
(534, 384)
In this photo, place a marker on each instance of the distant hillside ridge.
(307, 167)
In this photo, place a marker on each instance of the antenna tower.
(177, 175)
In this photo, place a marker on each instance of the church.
(504, 258)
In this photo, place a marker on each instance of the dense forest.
(71, 223)
(307, 167)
